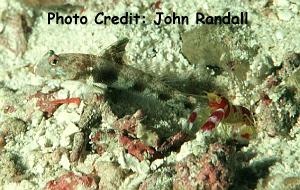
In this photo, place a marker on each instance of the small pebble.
(1, 27)
(57, 154)
(44, 3)
(294, 8)
(13, 126)
(282, 3)
(285, 14)
(70, 129)
(64, 162)
(279, 35)
(2, 141)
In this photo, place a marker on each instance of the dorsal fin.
(116, 51)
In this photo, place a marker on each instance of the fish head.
(69, 66)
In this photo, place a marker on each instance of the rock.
(285, 14)
(2, 141)
(44, 3)
(72, 181)
(219, 48)
(212, 170)
(111, 175)
(157, 180)
(200, 47)
(13, 126)
(281, 3)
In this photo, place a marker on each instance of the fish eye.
(52, 57)
(53, 62)
(50, 53)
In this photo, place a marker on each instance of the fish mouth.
(44, 69)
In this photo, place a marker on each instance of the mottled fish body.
(108, 68)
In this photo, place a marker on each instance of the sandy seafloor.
(260, 71)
